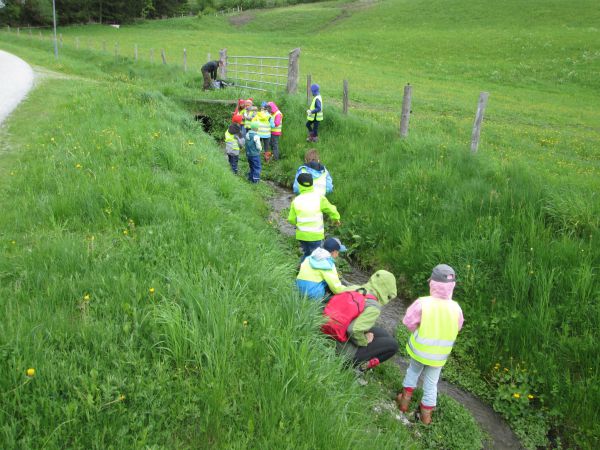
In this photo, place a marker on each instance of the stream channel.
(500, 434)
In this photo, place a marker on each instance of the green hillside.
(519, 221)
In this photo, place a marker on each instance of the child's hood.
(273, 107)
(382, 285)
(321, 259)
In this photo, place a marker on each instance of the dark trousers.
(275, 146)
(382, 347)
(265, 144)
(233, 162)
(255, 168)
(308, 247)
(207, 79)
(313, 127)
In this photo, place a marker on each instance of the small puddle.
(500, 434)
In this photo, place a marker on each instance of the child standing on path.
(276, 126)
(435, 322)
(253, 149)
(321, 177)
(234, 140)
(264, 128)
(306, 213)
(314, 114)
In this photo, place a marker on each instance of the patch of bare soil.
(242, 19)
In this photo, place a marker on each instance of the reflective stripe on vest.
(277, 129)
(319, 115)
(432, 342)
(231, 138)
(309, 217)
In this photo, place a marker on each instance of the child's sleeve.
(329, 183)
(329, 209)
(412, 318)
(257, 142)
(292, 215)
(333, 281)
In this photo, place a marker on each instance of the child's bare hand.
(336, 223)
(370, 336)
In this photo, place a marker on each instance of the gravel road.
(16, 79)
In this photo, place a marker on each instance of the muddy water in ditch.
(501, 436)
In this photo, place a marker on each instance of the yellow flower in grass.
(30, 372)
(86, 297)
(78, 166)
(121, 397)
(245, 323)
(517, 395)
(151, 290)
(530, 397)
(125, 232)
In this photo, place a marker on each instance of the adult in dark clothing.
(209, 72)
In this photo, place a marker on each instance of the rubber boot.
(425, 414)
(403, 399)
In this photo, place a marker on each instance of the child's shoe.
(425, 413)
(403, 399)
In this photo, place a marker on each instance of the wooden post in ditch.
(345, 99)
(135, 52)
(163, 56)
(223, 60)
(481, 104)
(293, 71)
(308, 83)
(184, 60)
(405, 117)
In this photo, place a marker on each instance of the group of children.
(351, 312)
(256, 130)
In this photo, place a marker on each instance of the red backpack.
(341, 310)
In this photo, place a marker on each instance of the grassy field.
(519, 221)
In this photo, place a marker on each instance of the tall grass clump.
(526, 255)
(142, 285)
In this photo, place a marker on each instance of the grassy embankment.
(519, 222)
(144, 288)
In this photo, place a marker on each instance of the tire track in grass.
(500, 434)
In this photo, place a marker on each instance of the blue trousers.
(308, 247)
(313, 127)
(255, 168)
(233, 162)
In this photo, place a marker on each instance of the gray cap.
(443, 273)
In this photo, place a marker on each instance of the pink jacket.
(276, 118)
(412, 318)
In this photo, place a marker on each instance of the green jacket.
(306, 213)
(382, 285)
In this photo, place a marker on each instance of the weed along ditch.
(500, 434)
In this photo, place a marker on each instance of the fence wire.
(259, 73)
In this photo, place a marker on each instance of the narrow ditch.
(500, 434)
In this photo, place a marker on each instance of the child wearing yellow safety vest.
(234, 140)
(318, 277)
(435, 322)
(249, 113)
(264, 127)
(306, 213)
(276, 127)
(321, 177)
(314, 114)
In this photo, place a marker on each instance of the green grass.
(519, 221)
(140, 281)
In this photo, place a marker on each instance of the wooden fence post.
(77, 43)
(308, 83)
(483, 98)
(405, 117)
(135, 52)
(208, 57)
(184, 60)
(345, 99)
(223, 60)
(41, 37)
(116, 49)
(29, 30)
(293, 71)
(151, 55)
(163, 56)
(18, 31)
